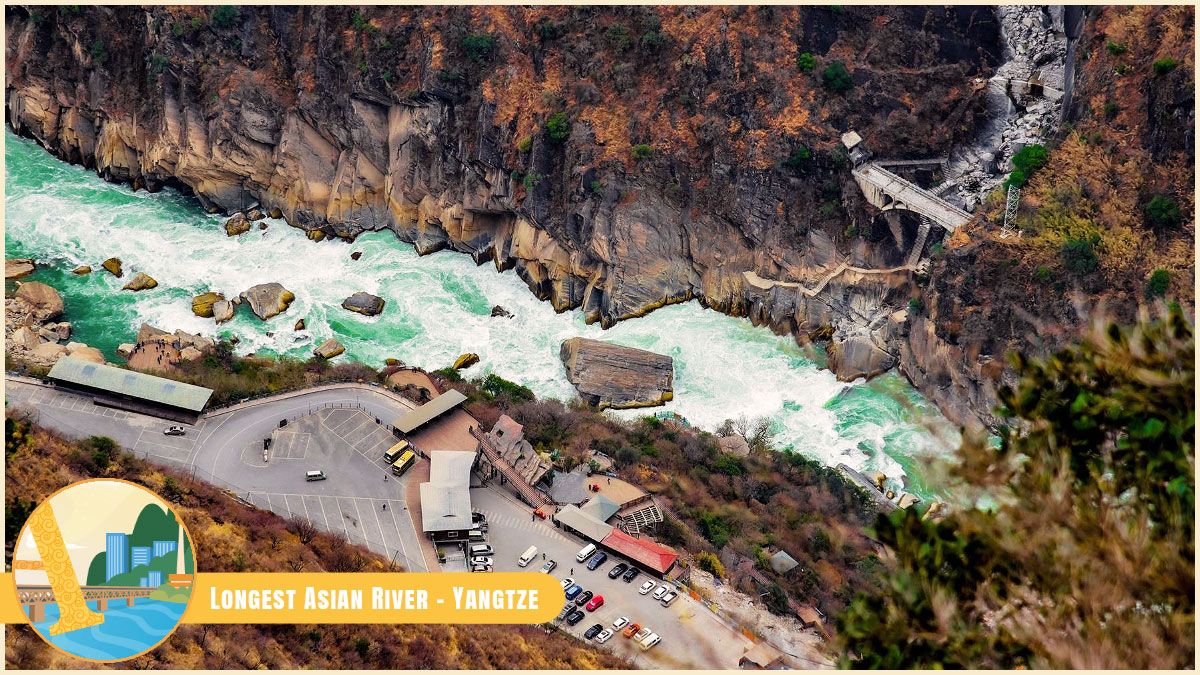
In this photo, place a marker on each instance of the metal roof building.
(582, 523)
(648, 555)
(131, 390)
(414, 419)
(446, 498)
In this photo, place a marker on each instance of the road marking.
(382, 536)
(403, 548)
(310, 520)
(359, 513)
(324, 515)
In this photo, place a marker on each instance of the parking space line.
(382, 536)
(400, 536)
(324, 515)
(359, 513)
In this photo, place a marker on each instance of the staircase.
(526, 491)
(644, 514)
(914, 255)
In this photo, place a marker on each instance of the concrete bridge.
(37, 597)
(887, 191)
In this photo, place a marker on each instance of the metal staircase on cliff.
(640, 514)
(525, 491)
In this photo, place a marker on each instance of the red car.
(539, 514)
(596, 603)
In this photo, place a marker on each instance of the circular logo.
(103, 569)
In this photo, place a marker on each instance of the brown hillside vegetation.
(232, 537)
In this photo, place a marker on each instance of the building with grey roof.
(131, 390)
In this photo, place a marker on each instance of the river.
(438, 306)
(126, 631)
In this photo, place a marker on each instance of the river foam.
(438, 306)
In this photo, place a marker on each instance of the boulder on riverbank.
(364, 303)
(140, 282)
(202, 305)
(236, 225)
(857, 357)
(113, 265)
(329, 349)
(612, 376)
(43, 302)
(255, 214)
(466, 361)
(267, 300)
(15, 268)
(125, 350)
(222, 310)
(734, 445)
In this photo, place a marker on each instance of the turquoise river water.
(438, 306)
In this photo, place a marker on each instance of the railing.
(531, 495)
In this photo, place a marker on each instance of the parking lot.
(692, 637)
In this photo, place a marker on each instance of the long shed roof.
(130, 383)
(446, 498)
(414, 419)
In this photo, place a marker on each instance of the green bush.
(498, 386)
(558, 128)
(1160, 281)
(1111, 109)
(1164, 65)
(1015, 179)
(547, 30)
(619, 36)
(710, 563)
(836, 77)
(1079, 255)
(916, 305)
(223, 17)
(1116, 48)
(479, 47)
(799, 158)
(641, 151)
(1164, 212)
(98, 51)
(1043, 274)
(728, 465)
(1123, 68)
(806, 62)
(1030, 158)
(597, 188)
(525, 144)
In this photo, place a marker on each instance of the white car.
(621, 622)
(660, 592)
(482, 560)
(568, 582)
(548, 566)
(173, 431)
(669, 598)
(646, 587)
(605, 635)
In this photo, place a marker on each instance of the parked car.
(548, 566)
(481, 568)
(669, 598)
(597, 560)
(584, 598)
(574, 617)
(315, 475)
(482, 560)
(631, 630)
(631, 574)
(605, 635)
(595, 603)
(567, 609)
(642, 634)
(660, 592)
(593, 631)
(646, 587)
(621, 622)
(617, 570)
(650, 640)
(567, 582)
(481, 549)
(174, 431)
(573, 590)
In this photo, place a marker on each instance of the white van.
(585, 552)
(528, 556)
(650, 640)
(481, 549)
(315, 475)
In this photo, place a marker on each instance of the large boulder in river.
(612, 376)
(78, 350)
(222, 310)
(202, 305)
(857, 357)
(267, 300)
(15, 268)
(43, 300)
(140, 282)
(466, 361)
(48, 352)
(364, 303)
(329, 349)
(501, 312)
(113, 265)
(148, 333)
(236, 225)
(82, 270)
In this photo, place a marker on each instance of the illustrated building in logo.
(116, 554)
(163, 547)
(140, 555)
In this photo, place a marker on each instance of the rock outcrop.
(857, 357)
(82, 270)
(329, 349)
(42, 301)
(267, 300)
(202, 305)
(113, 265)
(299, 325)
(466, 361)
(236, 225)
(15, 268)
(612, 376)
(499, 311)
(222, 310)
(140, 282)
(364, 303)
(734, 445)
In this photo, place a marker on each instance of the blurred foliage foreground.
(1083, 556)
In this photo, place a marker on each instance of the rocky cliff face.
(617, 158)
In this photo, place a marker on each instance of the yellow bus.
(406, 460)
(395, 451)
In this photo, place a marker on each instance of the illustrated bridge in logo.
(37, 597)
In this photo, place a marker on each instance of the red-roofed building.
(646, 554)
